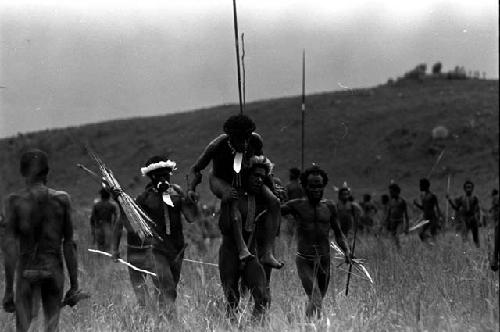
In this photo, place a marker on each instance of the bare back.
(40, 218)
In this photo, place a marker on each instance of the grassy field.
(447, 287)
(365, 137)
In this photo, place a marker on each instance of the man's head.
(468, 187)
(260, 168)
(294, 174)
(385, 199)
(239, 128)
(394, 190)
(34, 165)
(104, 194)
(367, 198)
(159, 169)
(314, 181)
(424, 184)
(494, 192)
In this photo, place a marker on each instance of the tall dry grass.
(447, 287)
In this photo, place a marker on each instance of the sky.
(69, 63)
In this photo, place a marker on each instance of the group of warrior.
(39, 230)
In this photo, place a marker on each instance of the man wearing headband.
(163, 202)
(230, 154)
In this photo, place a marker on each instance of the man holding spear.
(430, 208)
(163, 254)
(315, 217)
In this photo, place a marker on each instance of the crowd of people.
(39, 230)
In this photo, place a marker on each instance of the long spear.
(243, 69)
(447, 202)
(236, 36)
(303, 106)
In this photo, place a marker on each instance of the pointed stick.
(237, 53)
(447, 202)
(243, 69)
(303, 107)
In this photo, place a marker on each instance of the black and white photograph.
(249, 165)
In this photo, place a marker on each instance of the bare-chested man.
(252, 275)
(38, 224)
(369, 209)
(430, 208)
(397, 214)
(102, 220)
(315, 217)
(468, 212)
(230, 154)
(347, 211)
(163, 203)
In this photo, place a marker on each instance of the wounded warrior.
(230, 155)
(163, 254)
(315, 217)
(38, 224)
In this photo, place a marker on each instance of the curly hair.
(314, 170)
(294, 173)
(261, 161)
(395, 187)
(34, 162)
(239, 125)
(425, 183)
(468, 182)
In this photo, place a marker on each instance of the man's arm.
(203, 161)
(436, 204)
(10, 250)
(452, 203)
(92, 225)
(406, 218)
(69, 247)
(337, 232)
(287, 208)
(420, 206)
(117, 233)
(189, 208)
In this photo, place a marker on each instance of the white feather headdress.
(161, 164)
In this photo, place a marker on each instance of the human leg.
(308, 272)
(142, 259)
(229, 274)
(52, 295)
(271, 225)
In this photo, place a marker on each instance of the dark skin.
(27, 233)
(251, 273)
(397, 214)
(167, 253)
(220, 153)
(315, 217)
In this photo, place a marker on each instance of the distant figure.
(163, 254)
(468, 212)
(494, 211)
(369, 211)
(38, 232)
(384, 201)
(397, 214)
(102, 220)
(348, 212)
(315, 217)
(293, 188)
(430, 208)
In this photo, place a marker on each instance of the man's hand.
(73, 296)
(192, 196)
(230, 195)
(349, 257)
(8, 303)
(115, 256)
(115, 193)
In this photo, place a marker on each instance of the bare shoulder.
(12, 199)
(60, 196)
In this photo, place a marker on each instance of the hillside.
(366, 137)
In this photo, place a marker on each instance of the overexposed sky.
(87, 61)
